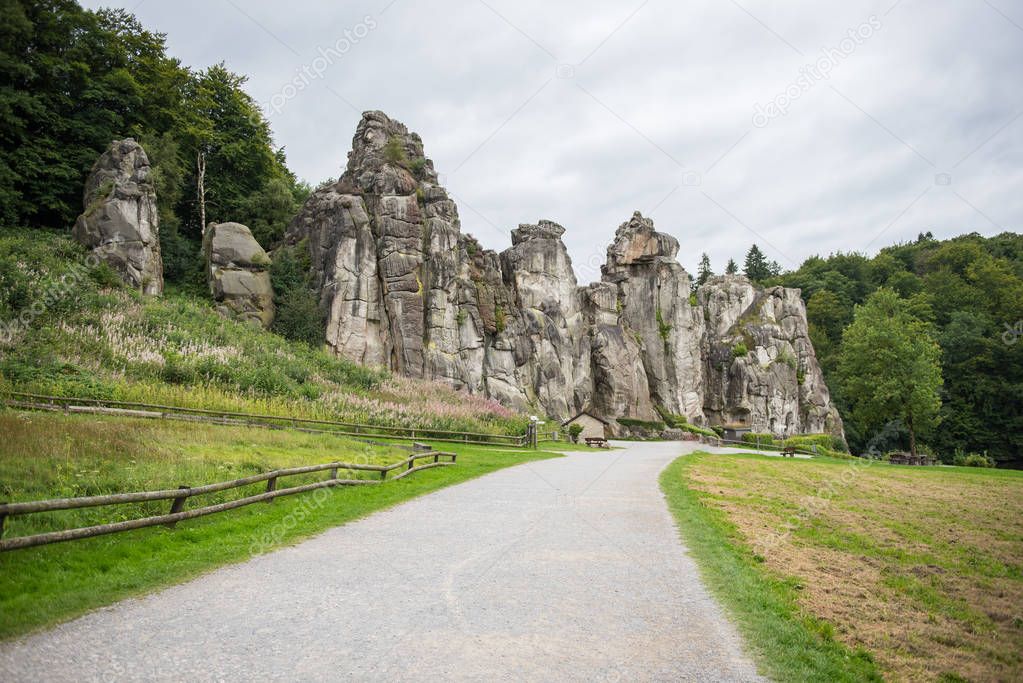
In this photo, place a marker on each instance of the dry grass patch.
(922, 567)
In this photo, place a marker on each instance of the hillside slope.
(69, 327)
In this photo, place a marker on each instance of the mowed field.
(920, 568)
(44, 455)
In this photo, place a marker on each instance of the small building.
(593, 426)
(734, 432)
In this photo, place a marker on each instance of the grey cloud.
(681, 81)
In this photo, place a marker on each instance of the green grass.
(80, 333)
(44, 455)
(787, 643)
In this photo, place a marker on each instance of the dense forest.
(966, 294)
(72, 80)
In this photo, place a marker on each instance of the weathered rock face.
(237, 270)
(404, 289)
(120, 222)
(655, 303)
(761, 368)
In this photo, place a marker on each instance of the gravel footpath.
(565, 569)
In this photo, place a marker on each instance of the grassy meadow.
(857, 570)
(45, 455)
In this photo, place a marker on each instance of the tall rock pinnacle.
(405, 289)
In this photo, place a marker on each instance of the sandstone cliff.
(405, 289)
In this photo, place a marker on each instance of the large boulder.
(237, 270)
(120, 222)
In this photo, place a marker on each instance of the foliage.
(762, 438)
(74, 80)
(827, 441)
(299, 316)
(739, 350)
(703, 272)
(702, 431)
(574, 430)
(663, 328)
(970, 289)
(732, 268)
(757, 267)
(641, 424)
(972, 460)
(889, 366)
(394, 152)
(418, 167)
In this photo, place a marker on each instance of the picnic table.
(909, 459)
(788, 452)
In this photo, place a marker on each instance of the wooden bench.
(788, 452)
(597, 442)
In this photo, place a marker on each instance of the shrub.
(663, 328)
(763, 438)
(671, 419)
(299, 316)
(788, 359)
(702, 431)
(417, 166)
(972, 460)
(641, 424)
(394, 153)
(574, 431)
(828, 441)
(739, 350)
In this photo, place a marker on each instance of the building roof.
(588, 414)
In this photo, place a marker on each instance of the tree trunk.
(200, 163)
(912, 435)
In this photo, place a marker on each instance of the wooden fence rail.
(24, 400)
(181, 495)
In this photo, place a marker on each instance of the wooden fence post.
(177, 506)
(3, 520)
(271, 485)
(333, 473)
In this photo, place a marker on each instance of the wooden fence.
(181, 495)
(16, 399)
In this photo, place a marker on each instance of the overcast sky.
(806, 127)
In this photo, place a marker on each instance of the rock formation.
(237, 270)
(120, 222)
(405, 289)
